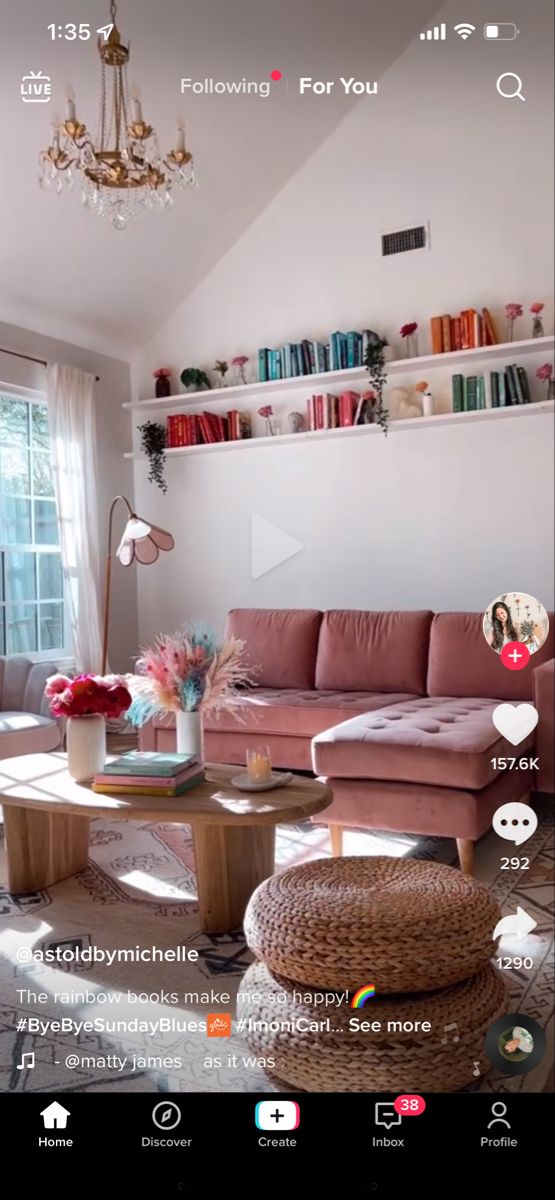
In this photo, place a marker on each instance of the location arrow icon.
(518, 925)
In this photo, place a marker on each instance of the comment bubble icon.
(384, 1114)
(516, 822)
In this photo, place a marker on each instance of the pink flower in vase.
(408, 332)
(545, 373)
(267, 412)
(537, 325)
(241, 361)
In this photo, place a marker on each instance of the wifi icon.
(464, 30)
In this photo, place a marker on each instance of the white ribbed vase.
(188, 727)
(86, 746)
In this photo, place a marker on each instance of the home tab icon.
(55, 1116)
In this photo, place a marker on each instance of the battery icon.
(505, 32)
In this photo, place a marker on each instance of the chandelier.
(122, 171)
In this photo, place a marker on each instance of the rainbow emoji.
(363, 994)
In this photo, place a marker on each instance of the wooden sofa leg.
(465, 847)
(336, 838)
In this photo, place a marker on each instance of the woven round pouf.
(403, 925)
(324, 1049)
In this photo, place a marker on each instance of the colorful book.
(347, 407)
(458, 393)
(436, 326)
(480, 392)
(491, 338)
(446, 332)
(123, 789)
(523, 377)
(494, 384)
(149, 762)
(511, 384)
(471, 393)
(517, 383)
(263, 365)
(134, 780)
(319, 358)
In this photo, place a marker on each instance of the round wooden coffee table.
(47, 816)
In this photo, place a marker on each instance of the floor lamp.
(142, 542)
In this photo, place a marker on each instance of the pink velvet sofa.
(26, 726)
(393, 709)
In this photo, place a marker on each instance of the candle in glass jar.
(259, 766)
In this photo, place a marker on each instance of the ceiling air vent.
(402, 240)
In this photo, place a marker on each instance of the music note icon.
(447, 1029)
(477, 1068)
(27, 1060)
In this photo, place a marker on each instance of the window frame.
(63, 655)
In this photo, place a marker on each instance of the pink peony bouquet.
(87, 695)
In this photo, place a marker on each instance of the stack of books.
(314, 358)
(497, 389)
(330, 412)
(468, 331)
(200, 429)
(142, 773)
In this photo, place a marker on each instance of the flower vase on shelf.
(188, 727)
(411, 345)
(86, 746)
(537, 327)
(551, 390)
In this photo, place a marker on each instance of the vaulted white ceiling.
(66, 272)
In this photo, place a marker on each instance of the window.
(32, 617)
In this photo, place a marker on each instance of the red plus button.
(515, 656)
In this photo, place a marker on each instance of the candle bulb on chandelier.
(136, 105)
(180, 144)
(56, 133)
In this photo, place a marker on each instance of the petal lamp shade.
(142, 542)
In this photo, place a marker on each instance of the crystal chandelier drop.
(122, 171)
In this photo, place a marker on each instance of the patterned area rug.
(139, 890)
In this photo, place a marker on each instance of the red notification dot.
(275, 75)
(409, 1106)
(515, 656)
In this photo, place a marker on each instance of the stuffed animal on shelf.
(402, 405)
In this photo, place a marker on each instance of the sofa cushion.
(280, 644)
(373, 651)
(289, 712)
(27, 733)
(441, 741)
(462, 664)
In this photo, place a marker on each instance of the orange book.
(437, 335)
(456, 334)
(446, 332)
(491, 338)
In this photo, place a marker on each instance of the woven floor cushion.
(337, 1059)
(403, 925)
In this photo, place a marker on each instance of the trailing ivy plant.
(374, 362)
(153, 442)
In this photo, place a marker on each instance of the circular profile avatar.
(515, 617)
(516, 1044)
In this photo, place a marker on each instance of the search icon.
(509, 92)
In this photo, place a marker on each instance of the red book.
(170, 432)
(233, 425)
(319, 409)
(310, 410)
(490, 331)
(347, 405)
(456, 343)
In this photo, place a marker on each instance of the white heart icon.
(515, 721)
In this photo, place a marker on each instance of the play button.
(270, 546)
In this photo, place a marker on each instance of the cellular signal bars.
(437, 34)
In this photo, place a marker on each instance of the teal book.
(481, 392)
(515, 375)
(523, 378)
(511, 385)
(494, 383)
(263, 365)
(471, 393)
(458, 393)
(146, 762)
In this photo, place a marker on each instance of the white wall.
(115, 475)
(437, 519)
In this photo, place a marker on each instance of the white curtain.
(73, 438)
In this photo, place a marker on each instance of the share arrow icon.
(518, 925)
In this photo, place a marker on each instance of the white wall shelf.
(454, 420)
(344, 378)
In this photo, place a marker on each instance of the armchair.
(26, 726)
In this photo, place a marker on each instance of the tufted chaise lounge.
(393, 709)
